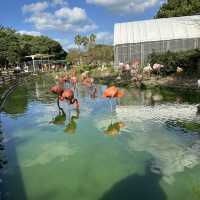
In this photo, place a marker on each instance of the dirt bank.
(184, 83)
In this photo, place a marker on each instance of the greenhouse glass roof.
(157, 30)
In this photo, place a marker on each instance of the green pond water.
(148, 147)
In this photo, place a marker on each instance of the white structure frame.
(137, 40)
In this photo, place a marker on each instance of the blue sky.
(63, 19)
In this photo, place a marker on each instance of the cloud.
(74, 15)
(104, 37)
(125, 6)
(63, 19)
(35, 7)
(34, 33)
(58, 2)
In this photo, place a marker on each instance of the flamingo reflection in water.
(114, 128)
(72, 125)
(59, 119)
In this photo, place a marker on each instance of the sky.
(61, 20)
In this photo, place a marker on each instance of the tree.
(85, 42)
(176, 8)
(100, 54)
(9, 48)
(14, 46)
(93, 53)
(92, 40)
(78, 41)
(73, 56)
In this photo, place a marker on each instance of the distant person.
(26, 68)
(198, 109)
(17, 69)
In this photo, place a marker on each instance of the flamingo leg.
(77, 91)
(111, 107)
(118, 99)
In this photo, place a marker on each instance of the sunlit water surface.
(141, 150)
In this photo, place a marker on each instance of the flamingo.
(88, 82)
(84, 75)
(147, 70)
(113, 92)
(74, 81)
(65, 80)
(68, 94)
(58, 91)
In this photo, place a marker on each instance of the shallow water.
(139, 151)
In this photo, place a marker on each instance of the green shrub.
(188, 60)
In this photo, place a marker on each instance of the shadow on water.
(138, 187)
(11, 179)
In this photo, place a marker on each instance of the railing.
(13, 80)
(9, 76)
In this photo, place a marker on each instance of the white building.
(137, 40)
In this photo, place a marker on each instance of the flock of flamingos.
(65, 90)
(67, 94)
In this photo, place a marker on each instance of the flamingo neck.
(72, 101)
(58, 104)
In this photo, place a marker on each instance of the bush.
(188, 60)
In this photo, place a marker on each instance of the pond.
(148, 147)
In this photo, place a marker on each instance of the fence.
(126, 53)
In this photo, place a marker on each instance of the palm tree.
(78, 41)
(85, 41)
(92, 39)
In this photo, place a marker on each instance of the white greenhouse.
(137, 40)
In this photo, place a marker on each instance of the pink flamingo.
(74, 81)
(113, 92)
(58, 91)
(68, 94)
(88, 82)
